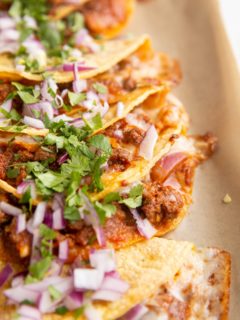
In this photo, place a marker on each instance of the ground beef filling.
(160, 203)
(119, 160)
(128, 134)
(11, 156)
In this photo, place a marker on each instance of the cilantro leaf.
(104, 210)
(76, 98)
(135, 197)
(39, 269)
(101, 142)
(100, 88)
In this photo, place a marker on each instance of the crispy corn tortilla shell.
(130, 101)
(145, 266)
(114, 51)
(108, 31)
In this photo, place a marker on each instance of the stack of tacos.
(95, 164)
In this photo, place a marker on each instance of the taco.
(154, 278)
(106, 18)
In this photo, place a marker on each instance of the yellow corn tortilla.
(145, 266)
(112, 52)
(130, 101)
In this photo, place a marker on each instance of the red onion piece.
(32, 122)
(19, 294)
(172, 181)
(103, 260)
(144, 226)
(58, 201)
(17, 281)
(74, 300)
(23, 186)
(147, 145)
(114, 284)
(7, 23)
(5, 273)
(87, 279)
(63, 250)
(48, 218)
(106, 295)
(39, 214)
(63, 158)
(120, 109)
(135, 313)
(80, 67)
(58, 220)
(29, 312)
(45, 303)
(21, 222)
(9, 209)
(7, 105)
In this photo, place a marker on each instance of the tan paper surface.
(192, 31)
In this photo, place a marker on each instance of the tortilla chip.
(113, 52)
(145, 266)
(200, 290)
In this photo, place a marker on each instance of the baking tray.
(193, 31)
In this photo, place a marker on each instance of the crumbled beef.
(125, 132)
(119, 159)
(104, 14)
(133, 135)
(160, 202)
(129, 84)
(206, 145)
(4, 218)
(5, 89)
(41, 155)
(21, 241)
(5, 159)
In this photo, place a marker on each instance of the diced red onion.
(29, 312)
(21, 222)
(63, 250)
(46, 304)
(106, 295)
(49, 281)
(48, 218)
(80, 36)
(169, 162)
(79, 85)
(63, 158)
(58, 201)
(144, 226)
(74, 300)
(136, 313)
(20, 67)
(7, 23)
(64, 93)
(105, 109)
(35, 245)
(17, 281)
(120, 109)
(48, 83)
(70, 67)
(35, 123)
(58, 220)
(39, 214)
(87, 279)
(19, 294)
(59, 101)
(30, 22)
(63, 117)
(148, 144)
(93, 219)
(9, 209)
(23, 186)
(55, 269)
(10, 35)
(5, 273)
(114, 284)
(103, 260)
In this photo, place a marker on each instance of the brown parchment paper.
(192, 30)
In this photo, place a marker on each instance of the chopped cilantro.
(76, 98)
(54, 293)
(113, 196)
(101, 142)
(39, 269)
(71, 213)
(100, 88)
(78, 312)
(135, 197)
(46, 232)
(104, 210)
(12, 173)
(61, 310)
(26, 196)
